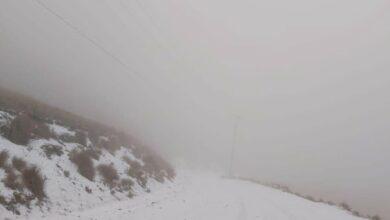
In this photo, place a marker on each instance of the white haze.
(309, 80)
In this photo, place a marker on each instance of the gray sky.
(309, 79)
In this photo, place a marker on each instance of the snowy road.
(206, 196)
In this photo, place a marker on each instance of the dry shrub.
(24, 127)
(345, 206)
(33, 181)
(126, 185)
(4, 130)
(81, 138)
(3, 158)
(51, 150)
(136, 171)
(3, 202)
(140, 176)
(20, 198)
(66, 173)
(20, 129)
(310, 198)
(41, 130)
(88, 190)
(356, 213)
(19, 164)
(112, 144)
(17, 199)
(9, 205)
(158, 168)
(109, 174)
(12, 180)
(95, 154)
(84, 164)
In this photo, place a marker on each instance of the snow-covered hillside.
(200, 196)
(55, 165)
(48, 168)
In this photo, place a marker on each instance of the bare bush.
(376, 217)
(20, 129)
(34, 182)
(109, 174)
(345, 206)
(19, 164)
(95, 154)
(66, 173)
(3, 158)
(24, 127)
(126, 185)
(111, 144)
(81, 138)
(157, 167)
(12, 180)
(136, 171)
(41, 130)
(139, 175)
(88, 190)
(20, 198)
(84, 164)
(51, 150)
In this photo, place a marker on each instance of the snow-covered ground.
(191, 196)
(65, 188)
(197, 196)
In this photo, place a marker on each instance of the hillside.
(204, 196)
(57, 165)
(52, 161)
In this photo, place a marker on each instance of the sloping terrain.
(52, 161)
(200, 196)
(56, 165)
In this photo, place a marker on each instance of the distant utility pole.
(233, 151)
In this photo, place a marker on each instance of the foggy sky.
(309, 80)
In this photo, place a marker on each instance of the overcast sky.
(310, 81)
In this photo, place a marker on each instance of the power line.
(174, 54)
(108, 53)
(127, 67)
(90, 40)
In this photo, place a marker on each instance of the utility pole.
(233, 150)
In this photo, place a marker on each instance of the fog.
(306, 82)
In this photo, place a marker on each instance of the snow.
(197, 196)
(191, 196)
(5, 118)
(66, 194)
(61, 130)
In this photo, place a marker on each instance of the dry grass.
(136, 171)
(95, 154)
(345, 206)
(20, 129)
(109, 174)
(84, 164)
(111, 145)
(376, 217)
(33, 181)
(81, 138)
(158, 168)
(66, 173)
(88, 190)
(126, 185)
(19, 164)
(25, 127)
(51, 150)
(12, 180)
(3, 158)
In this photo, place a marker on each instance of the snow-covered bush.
(83, 161)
